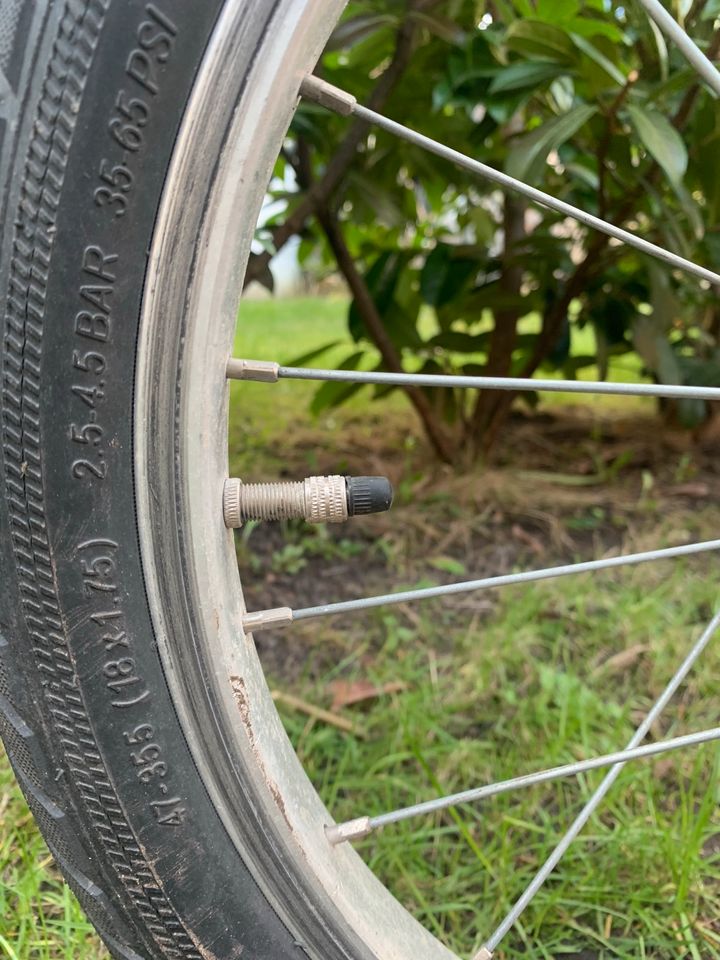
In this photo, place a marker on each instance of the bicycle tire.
(96, 98)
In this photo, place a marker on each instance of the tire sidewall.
(107, 102)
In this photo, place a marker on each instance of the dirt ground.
(563, 486)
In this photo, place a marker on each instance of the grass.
(40, 918)
(503, 684)
(534, 685)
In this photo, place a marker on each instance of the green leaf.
(587, 176)
(381, 280)
(401, 326)
(701, 373)
(560, 352)
(533, 38)
(458, 342)
(381, 200)
(524, 8)
(711, 10)
(591, 51)
(557, 11)
(442, 27)
(444, 275)
(661, 140)
(484, 224)
(580, 362)
(590, 27)
(311, 355)
(526, 160)
(491, 297)
(524, 74)
(562, 91)
(350, 32)
(265, 277)
(658, 356)
(692, 210)
(333, 393)
(667, 309)
(661, 49)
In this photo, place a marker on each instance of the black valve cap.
(368, 495)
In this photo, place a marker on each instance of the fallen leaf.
(697, 490)
(663, 768)
(317, 713)
(347, 692)
(527, 538)
(623, 660)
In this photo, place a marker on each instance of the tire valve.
(316, 499)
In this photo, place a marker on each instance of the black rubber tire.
(155, 872)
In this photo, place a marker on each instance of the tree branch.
(322, 190)
(691, 94)
(504, 334)
(378, 334)
(555, 318)
(302, 165)
(604, 144)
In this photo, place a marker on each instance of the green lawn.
(39, 917)
(499, 686)
(301, 326)
(536, 685)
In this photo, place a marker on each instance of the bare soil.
(563, 486)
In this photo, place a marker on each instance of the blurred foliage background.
(447, 273)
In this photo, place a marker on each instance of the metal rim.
(234, 127)
(350, 901)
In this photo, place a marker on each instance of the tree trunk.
(321, 191)
(376, 330)
(504, 334)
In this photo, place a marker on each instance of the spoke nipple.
(328, 96)
(267, 619)
(352, 830)
(315, 499)
(261, 370)
(483, 954)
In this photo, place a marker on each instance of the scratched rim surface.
(269, 808)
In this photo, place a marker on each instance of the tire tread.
(99, 818)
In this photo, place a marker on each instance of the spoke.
(704, 67)
(486, 951)
(268, 372)
(283, 616)
(362, 826)
(334, 99)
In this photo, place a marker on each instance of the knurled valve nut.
(325, 499)
(231, 503)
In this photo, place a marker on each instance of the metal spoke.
(284, 616)
(704, 67)
(362, 826)
(486, 951)
(335, 99)
(269, 372)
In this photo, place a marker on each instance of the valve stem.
(316, 499)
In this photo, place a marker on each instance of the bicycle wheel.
(137, 141)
